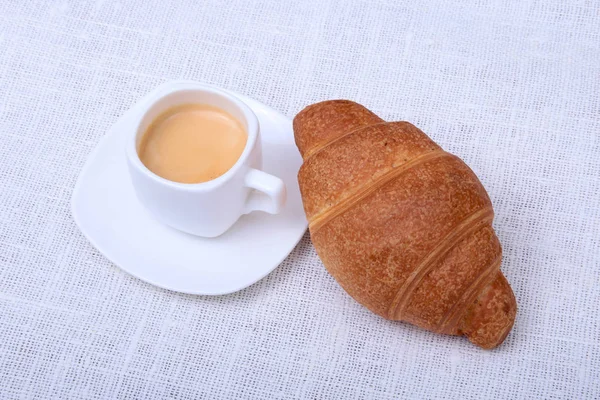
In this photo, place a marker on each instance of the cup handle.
(269, 193)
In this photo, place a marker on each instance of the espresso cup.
(206, 209)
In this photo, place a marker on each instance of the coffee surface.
(192, 143)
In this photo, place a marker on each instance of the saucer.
(106, 210)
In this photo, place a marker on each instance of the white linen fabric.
(512, 87)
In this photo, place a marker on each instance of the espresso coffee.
(192, 143)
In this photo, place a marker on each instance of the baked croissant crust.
(403, 226)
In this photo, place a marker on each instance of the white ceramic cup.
(210, 208)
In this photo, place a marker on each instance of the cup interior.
(195, 96)
(209, 96)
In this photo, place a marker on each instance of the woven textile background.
(512, 87)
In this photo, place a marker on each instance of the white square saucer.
(108, 213)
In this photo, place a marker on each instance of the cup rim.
(252, 132)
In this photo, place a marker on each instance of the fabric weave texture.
(511, 87)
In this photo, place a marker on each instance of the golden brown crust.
(361, 192)
(403, 226)
(385, 237)
(366, 154)
(452, 242)
(492, 315)
(326, 121)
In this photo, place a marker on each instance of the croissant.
(403, 226)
